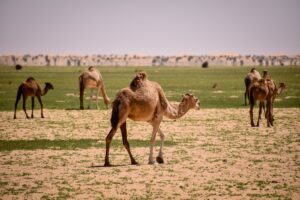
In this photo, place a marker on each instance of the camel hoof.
(15, 117)
(253, 125)
(134, 162)
(151, 162)
(159, 160)
(107, 164)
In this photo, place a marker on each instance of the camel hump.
(138, 80)
(29, 79)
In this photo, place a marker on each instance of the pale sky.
(151, 27)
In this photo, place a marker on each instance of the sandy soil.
(217, 156)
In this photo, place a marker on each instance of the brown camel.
(250, 78)
(145, 100)
(264, 90)
(92, 79)
(31, 88)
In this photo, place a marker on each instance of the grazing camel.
(31, 88)
(264, 90)
(250, 78)
(92, 79)
(145, 100)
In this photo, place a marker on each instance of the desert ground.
(209, 154)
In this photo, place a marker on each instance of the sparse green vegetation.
(229, 91)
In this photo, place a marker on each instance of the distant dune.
(138, 60)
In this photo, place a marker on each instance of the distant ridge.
(144, 60)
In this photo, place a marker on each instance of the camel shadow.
(112, 166)
(72, 109)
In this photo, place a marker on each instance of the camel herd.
(145, 100)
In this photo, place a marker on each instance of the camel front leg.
(126, 143)
(32, 106)
(108, 139)
(97, 95)
(41, 104)
(160, 158)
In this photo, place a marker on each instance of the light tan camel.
(92, 79)
(145, 100)
(264, 90)
(250, 78)
(30, 88)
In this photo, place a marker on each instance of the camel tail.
(251, 97)
(114, 120)
(105, 97)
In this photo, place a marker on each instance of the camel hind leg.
(126, 143)
(24, 105)
(32, 106)
(259, 112)
(160, 158)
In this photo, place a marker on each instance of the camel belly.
(90, 84)
(142, 113)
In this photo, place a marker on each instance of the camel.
(30, 88)
(144, 100)
(264, 90)
(250, 78)
(92, 79)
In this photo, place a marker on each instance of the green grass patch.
(229, 92)
(11, 145)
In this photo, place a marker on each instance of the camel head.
(191, 101)
(49, 86)
(281, 87)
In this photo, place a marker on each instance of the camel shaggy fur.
(92, 79)
(30, 88)
(144, 100)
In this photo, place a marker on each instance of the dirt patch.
(217, 156)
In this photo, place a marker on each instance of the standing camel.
(92, 79)
(250, 78)
(31, 88)
(264, 90)
(145, 100)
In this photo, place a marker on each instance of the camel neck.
(175, 112)
(45, 90)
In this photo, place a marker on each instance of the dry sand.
(218, 156)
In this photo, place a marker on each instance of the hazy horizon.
(256, 27)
